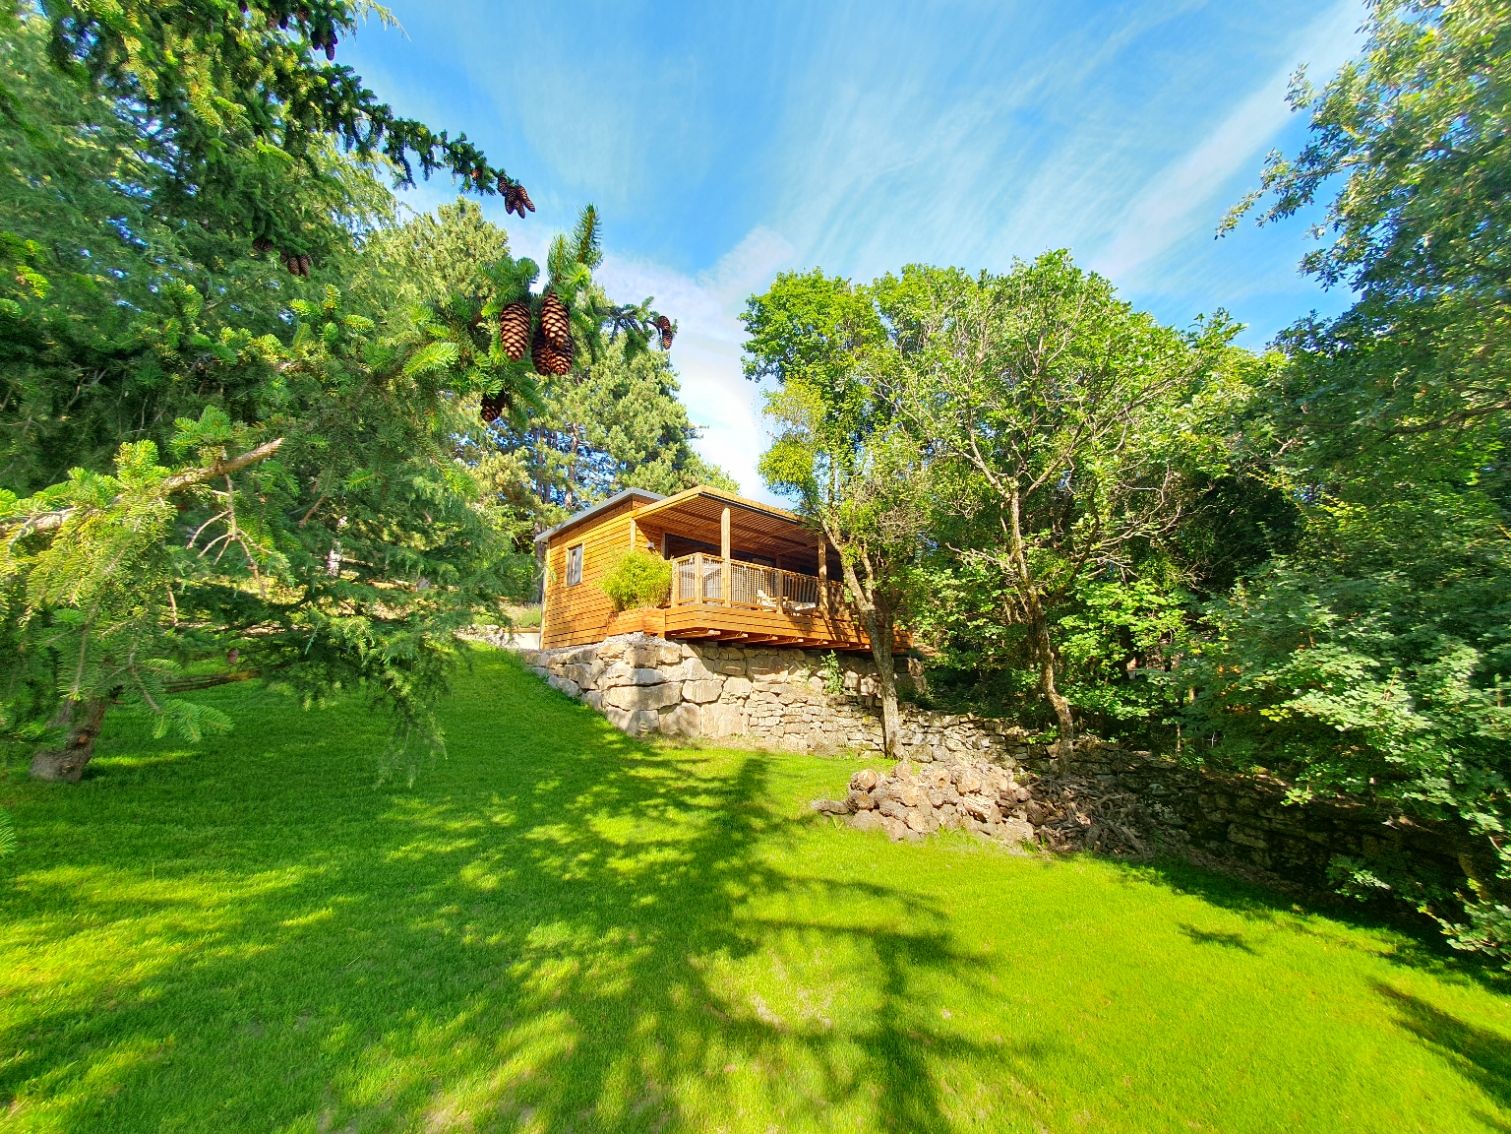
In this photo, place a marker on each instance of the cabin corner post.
(724, 571)
(545, 591)
(634, 534)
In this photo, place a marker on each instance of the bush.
(638, 578)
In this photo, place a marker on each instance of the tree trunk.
(83, 720)
(1038, 629)
(879, 627)
(1044, 652)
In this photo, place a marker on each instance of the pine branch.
(52, 521)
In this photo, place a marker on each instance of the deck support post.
(823, 575)
(724, 571)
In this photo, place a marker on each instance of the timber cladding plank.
(581, 613)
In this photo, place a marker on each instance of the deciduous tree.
(1070, 425)
(837, 451)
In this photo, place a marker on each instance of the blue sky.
(727, 142)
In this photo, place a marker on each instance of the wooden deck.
(713, 622)
(766, 606)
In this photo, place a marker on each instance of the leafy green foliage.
(1071, 433)
(833, 675)
(637, 579)
(212, 466)
(836, 449)
(1374, 657)
(245, 103)
(616, 422)
(428, 259)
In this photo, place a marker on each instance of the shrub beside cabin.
(742, 571)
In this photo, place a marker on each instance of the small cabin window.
(574, 565)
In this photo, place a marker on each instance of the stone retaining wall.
(773, 698)
(777, 698)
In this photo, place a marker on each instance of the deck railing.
(699, 578)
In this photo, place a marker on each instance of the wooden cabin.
(742, 571)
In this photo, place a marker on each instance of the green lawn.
(559, 928)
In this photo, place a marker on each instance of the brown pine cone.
(514, 330)
(516, 200)
(556, 321)
(547, 359)
(493, 406)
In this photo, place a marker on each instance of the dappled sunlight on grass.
(560, 928)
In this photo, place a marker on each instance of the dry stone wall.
(1120, 799)
(775, 698)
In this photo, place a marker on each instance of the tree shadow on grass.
(1235, 941)
(1410, 945)
(560, 928)
(1479, 1055)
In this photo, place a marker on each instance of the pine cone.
(556, 321)
(516, 200)
(547, 359)
(493, 406)
(664, 325)
(262, 246)
(514, 330)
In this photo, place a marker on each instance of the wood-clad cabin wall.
(577, 615)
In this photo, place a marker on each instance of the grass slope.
(559, 928)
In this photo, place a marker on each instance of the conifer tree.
(210, 466)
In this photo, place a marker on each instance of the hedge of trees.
(240, 394)
(1296, 561)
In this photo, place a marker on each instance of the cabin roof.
(602, 506)
(696, 512)
(754, 527)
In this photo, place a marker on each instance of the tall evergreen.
(212, 465)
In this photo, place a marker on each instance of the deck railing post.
(823, 575)
(724, 579)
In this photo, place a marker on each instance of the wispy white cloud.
(1179, 198)
(862, 136)
(707, 350)
(892, 164)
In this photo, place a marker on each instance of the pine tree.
(286, 503)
